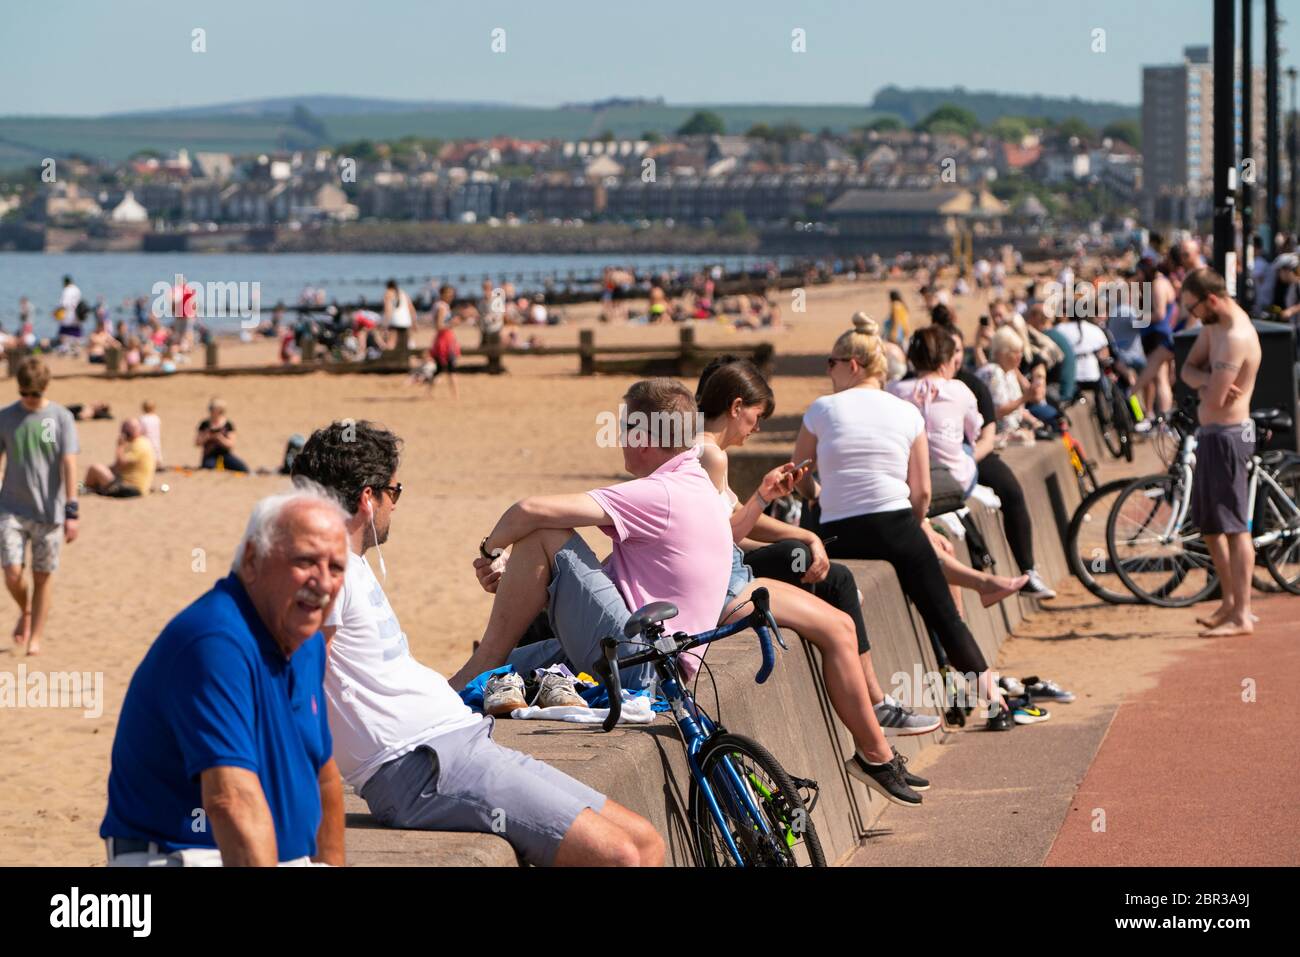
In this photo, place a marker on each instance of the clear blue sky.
(88, 57)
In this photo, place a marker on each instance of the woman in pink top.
(951, 414)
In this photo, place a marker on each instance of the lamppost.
(1291, 74)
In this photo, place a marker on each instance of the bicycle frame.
(1258, 473)
(693, 725)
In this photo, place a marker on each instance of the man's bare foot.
(1219, 617)
(23, 629)
(1002, 588)
(33, 646)
(1236, 626)
(1215, 618)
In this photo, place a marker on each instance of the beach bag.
(946, 494)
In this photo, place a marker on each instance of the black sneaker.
(887, 779)
(1000, 720)
(913, 781)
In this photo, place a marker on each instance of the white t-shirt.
(401, 312)
(864, 441)
(382, 702)
(70, 299)
(1087, 340)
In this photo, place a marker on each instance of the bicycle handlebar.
(760, 619)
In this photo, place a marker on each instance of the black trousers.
(788, 559)
(897, 538)
(998, 476)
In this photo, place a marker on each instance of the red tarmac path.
(1189, 773)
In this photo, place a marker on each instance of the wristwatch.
(482, 549)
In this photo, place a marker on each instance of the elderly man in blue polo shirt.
(223, 750)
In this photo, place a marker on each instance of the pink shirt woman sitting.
(951, 414)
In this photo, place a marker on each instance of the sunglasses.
(395, 491)
(830, 362)
(31, 395)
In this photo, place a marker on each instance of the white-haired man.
(223, 751)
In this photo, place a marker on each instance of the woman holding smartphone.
(733, 398)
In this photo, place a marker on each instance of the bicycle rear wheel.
(1085, 546)
(765, 814)
(1276, 515)
(1103, 409)
(1161, 559)
(1084, 472)
(1122, 416)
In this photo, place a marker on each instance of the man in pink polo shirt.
(672, 542)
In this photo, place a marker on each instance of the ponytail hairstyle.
(931, 348)
(728, 378)
(862, 342)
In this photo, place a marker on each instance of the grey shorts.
(1220, 484)
(465, 781)
(16, 532)
(584, 606)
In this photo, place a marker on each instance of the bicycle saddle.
(651, 614)
(1274, 418)
(1279, 457)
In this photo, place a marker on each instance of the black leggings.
(998, 476)
(897, 538)
(788, 559)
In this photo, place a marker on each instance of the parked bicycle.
(744, 809)
(1160, 555)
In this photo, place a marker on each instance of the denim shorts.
(741, 575)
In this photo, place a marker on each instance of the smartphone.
(803, 465)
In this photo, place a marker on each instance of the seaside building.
(922, 220)
(1178, 137)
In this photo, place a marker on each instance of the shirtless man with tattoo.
(1221, 368)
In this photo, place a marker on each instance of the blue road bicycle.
(744, 810)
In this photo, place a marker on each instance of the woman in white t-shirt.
(873, 462)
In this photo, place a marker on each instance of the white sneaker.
(1036, 586)
(503, 694)
(557, 691)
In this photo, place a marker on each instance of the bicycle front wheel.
(764, 814)
(1085, 547)
(1155, 548)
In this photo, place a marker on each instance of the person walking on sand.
(38, 498)
(1221, 368)
(445, 350)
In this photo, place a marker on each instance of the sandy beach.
(533, 430)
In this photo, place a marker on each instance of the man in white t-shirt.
(1090, 347)
(70, 299)
(403, 739)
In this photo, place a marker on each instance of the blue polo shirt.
(215, 690)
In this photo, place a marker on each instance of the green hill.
(27, 140)
(914, 105)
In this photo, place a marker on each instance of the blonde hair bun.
(865, 324)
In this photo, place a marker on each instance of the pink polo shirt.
(671, 542)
